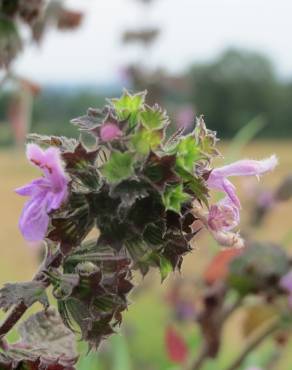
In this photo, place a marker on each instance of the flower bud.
(110, 132)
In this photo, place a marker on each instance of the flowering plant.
(144, 192)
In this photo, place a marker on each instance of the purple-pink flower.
(46, 193)
(286, 284)
(110, 132)
(218, 178)
(223, 215)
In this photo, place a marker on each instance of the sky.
(192, 31)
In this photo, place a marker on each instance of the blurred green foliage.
(238, 86)
(230, 91)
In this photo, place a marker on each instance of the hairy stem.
(12, 319)
(253, 344)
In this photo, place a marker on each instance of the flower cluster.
(141, 188)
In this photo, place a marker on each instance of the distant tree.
(234, 89)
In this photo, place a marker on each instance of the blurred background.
(230, 60)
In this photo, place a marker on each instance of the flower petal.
(32, 188)
(229, 189)
(49, 161)
(56, 199)
(246, 167)
(34, 219)
(35, 155)
(54, 170)
(223, 216)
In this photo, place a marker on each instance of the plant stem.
(204, 353)
(253, 344)
(12, 318)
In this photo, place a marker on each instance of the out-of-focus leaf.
(10, 42)
(69, 19)
(284, 190)
(218, 268)
(259, 267)
(45, 344)
(28, 293)
(257, 315)
(176, 346)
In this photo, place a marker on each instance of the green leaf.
(195, 184)
(174, 197)
(154, 118)
(188, 152)
(119, 167)
(144, 140)
(165, 268)
(128, 106)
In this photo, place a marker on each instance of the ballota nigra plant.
(144, 191)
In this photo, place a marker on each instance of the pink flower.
(46, 193)
(220, 219)
(110, 132)
(218, 178)
(223, 215)
(286, 284)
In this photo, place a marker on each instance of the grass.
(148, 316)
